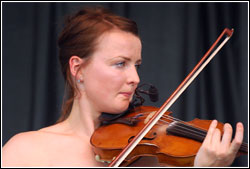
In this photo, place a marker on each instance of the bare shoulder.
(21, 141)
(48, 147)
(20, 148)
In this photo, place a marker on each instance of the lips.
(127, 94)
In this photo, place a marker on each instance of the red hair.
(79, 38)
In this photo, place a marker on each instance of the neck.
(83, 120)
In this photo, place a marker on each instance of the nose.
(133, 77)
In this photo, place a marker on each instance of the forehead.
(118, 42)
(118, 36)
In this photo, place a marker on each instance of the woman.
(99, 55)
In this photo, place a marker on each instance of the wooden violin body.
(169, 146)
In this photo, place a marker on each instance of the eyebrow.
(128, 59)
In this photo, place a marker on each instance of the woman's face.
(110, 78)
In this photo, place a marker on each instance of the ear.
(75, 63)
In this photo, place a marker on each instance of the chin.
(121, 108)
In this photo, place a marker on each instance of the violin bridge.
(150, 115)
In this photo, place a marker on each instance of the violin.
(151, 131)
(172, 141)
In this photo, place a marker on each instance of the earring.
(79, 81)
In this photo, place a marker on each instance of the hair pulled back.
(79, 37)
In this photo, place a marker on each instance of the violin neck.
(189, 131)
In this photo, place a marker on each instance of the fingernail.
(214, 122)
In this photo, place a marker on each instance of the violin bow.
(174, 96)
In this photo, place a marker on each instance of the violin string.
(187, 128)
(244, 146)
(182, 122)
(183, 129)
(202, 133)
(187, 124)
(199, 133)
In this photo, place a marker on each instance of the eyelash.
(138, 66)
(123, 64)
(120, 64)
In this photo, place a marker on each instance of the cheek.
(107, 81)
(102, 87)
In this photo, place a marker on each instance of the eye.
(137, 66)
(120, 64)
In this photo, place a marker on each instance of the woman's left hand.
(217, 151)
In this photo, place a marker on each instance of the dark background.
(174, 36)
